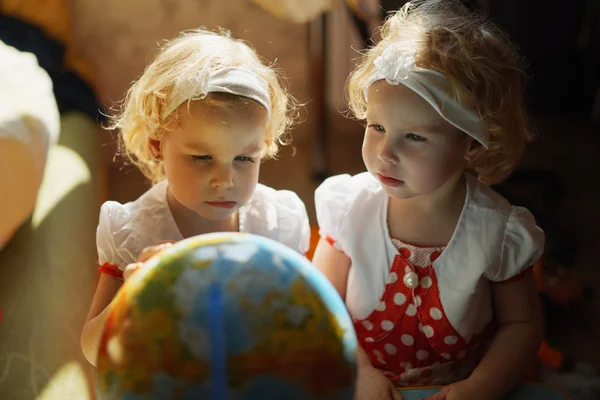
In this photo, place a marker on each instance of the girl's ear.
(155, 148)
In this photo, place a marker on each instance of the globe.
(227, 316)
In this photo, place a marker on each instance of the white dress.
(125, 230)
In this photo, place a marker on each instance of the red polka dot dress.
(407, 335)
(425, 315)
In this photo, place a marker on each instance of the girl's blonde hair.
(140, 117)
(485, 71)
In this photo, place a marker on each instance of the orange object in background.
(547, 356)
(561, 286)
(314, 240)
(550, 357)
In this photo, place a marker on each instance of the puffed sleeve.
(522, 246)
(112, 234)
(332, 200)
(292, 219)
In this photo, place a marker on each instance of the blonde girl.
(434, 266)
(197, 123)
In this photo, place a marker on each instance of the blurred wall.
(120, 36)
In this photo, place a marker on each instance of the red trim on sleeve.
(333, 243)
(112, 270)
(518, 277)
(329, 240)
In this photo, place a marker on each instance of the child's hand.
(372, 385)
(144, 256)
(151, 251)
(463, 390)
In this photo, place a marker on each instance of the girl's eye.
(414, 137)
(244, 159)
(201, 158)
(378, 128)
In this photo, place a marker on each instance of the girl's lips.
(389, 181)
(222, 204)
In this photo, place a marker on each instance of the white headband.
(233, 80)
(396, 66)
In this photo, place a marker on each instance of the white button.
(411, 280)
